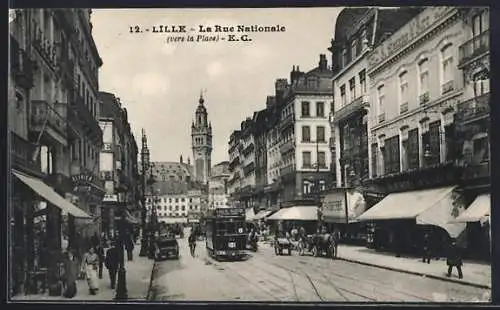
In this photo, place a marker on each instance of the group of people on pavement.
(88, 264)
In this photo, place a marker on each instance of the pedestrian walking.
(336, 240)
(71, 269)
(192, 243)
(90, 265)
(112, 262)
(454, 259)
(100, 254)
(129, 245)
(426, 257)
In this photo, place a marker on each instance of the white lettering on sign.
(406, 34)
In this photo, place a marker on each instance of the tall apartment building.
(415, 93)
(305, 153)
(357, 31)
(118, 162)
(54, 138)
(217, 186)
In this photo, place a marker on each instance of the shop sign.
(110, 198)
(334, 205)
(406, 34)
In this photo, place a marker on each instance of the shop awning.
(405, 205)
(296, 213)
(262, 214)
(249, 215)
(427, 207)
(477, 211)
(51, 196)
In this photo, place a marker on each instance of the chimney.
(189, 161)
(181, 159)
(323, 64)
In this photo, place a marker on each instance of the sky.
(159, 82)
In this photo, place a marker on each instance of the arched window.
(423, 80)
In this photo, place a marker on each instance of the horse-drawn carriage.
(318, 245)
(281, 244)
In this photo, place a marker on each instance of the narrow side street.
(263, 276)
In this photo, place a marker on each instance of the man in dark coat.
(454, 259)
(129, 245)
(112, 262)
(99, 249)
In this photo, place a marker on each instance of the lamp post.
(121, 286)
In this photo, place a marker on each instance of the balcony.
(49, 120)
(473, 48)
(287, 121)
(21, 65)
(22, 152)
(287, 170)
(403, 108)
(381, 118)
(447, 87)
(473, 109)
(82, 115)
(248, 149)
(287, 146)
(357, 105)
(424, 98)
(44, 46)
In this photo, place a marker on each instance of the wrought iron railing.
(22, 152)
(424, 98)
(473, 108)
(474, 47)
(54, 116)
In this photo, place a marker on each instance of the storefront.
(38, 220)
(298, 215)
(401, 219)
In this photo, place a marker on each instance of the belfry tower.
(201, 141)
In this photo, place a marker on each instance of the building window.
(423, 81)
(380, 101)
(169, 208)
(320, 109)
(362, 81)
(176, 208)
(322, 159)
(434, 146)
(305, 109)
(447, 69)
(183, 208)
(480, 23)
(403, 88)
(182, 199)
(354, 49)
(413, 149)
(322, 185)
(352, 89)
(320, 134)
(306, 159)
(481, 84)
(391, 157)
(176, 200)
(344, 58)
(374, 159)
(170, 200)
(306, 186)
(306, 134)
(311, 83)
(343, 98)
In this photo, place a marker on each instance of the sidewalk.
(138, 280)
(475, 273)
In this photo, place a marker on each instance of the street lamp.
(121, 286)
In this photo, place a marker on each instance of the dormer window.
(354, 49)
(344, 57)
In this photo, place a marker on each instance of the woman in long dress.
(91, 265)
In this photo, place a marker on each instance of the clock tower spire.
(201, 141)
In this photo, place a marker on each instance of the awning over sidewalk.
(296, 213)
(477, 211)
(51, 196)
(427, 207)
(262, 214)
